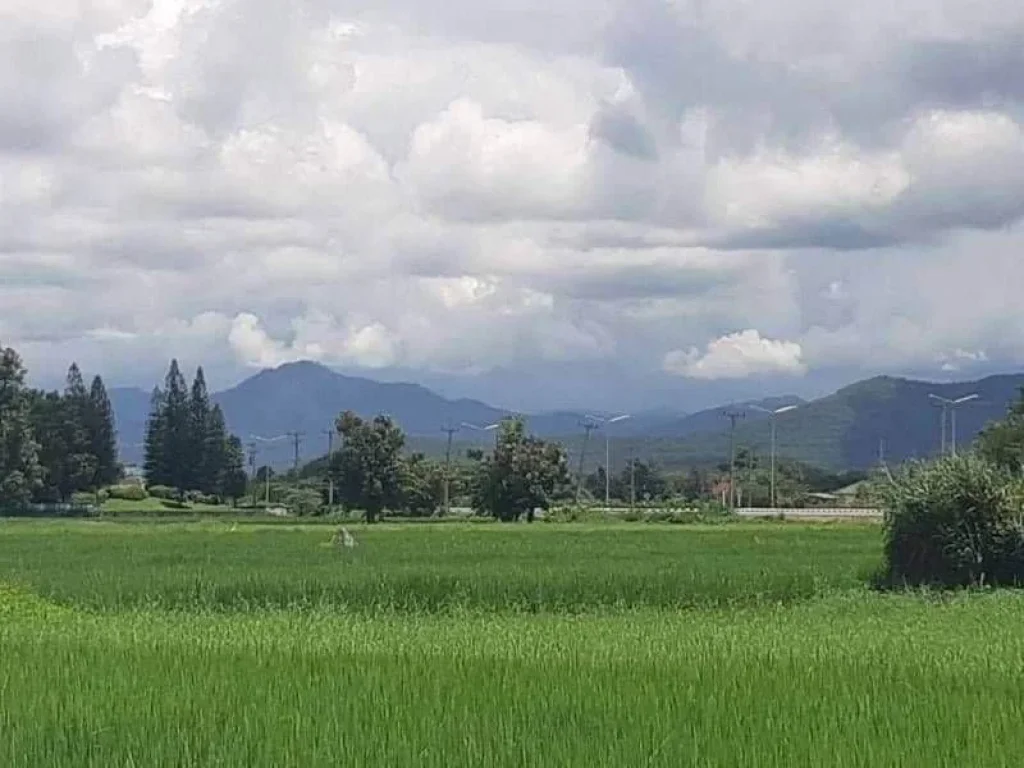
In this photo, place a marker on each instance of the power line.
(733, 417)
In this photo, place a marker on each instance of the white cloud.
(472, 187)
(738, 356)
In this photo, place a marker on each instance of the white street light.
(589, 424)
(949, 408)
(772, 416)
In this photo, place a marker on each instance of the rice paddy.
(459, 645)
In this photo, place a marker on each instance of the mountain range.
(845, 430)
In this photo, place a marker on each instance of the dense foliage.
(954, 522)
(187, 444)
(53, 445)
(1002, 442)
(367, 469)
(522, 474)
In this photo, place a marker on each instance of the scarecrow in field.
(344, 539)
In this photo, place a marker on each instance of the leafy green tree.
(521, 475)
(102, 435)
(594, 484)
(367, 470)
(642, 479)
(20, 472)
(423, 485)
(1002, 442)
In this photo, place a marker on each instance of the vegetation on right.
(959, 521)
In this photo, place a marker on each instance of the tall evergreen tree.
(80, 464)
(176, 428)
(48, 412)
(233, 480)
(102, 435)
(155, 462)
(214, 452)
(201, 475)
(20, 472)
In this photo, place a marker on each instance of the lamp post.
(949, 408)
(772, 417)
(608, 456)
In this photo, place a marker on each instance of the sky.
(535, 202)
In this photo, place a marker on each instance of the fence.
(48, 510)
(867, 513)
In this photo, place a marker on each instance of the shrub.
(953, 522)
(303, 501)
(162, 492)
(83, 499)
(127, 492)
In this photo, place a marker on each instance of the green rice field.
(250, 644)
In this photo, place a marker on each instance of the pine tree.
(80, 464)
(102, 435)
(214, 452)
(201, 475)
(233, 480)
(177, 438)
(47, 417)
(155, 462)
(20, 473)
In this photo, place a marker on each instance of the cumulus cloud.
(738, 356)
(462, 188)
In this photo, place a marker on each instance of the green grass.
(843, 682)
(234, 644)
(221, 566)
(151, 505)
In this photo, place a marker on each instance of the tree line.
(371, 473)
(187, 444)
(53, 444)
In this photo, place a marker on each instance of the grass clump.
(953, 522)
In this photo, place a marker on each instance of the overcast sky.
(532, 201)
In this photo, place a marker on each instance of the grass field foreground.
(410, 568)
(262, 645)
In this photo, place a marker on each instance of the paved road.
(859, 513)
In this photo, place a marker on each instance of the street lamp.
(772, 416)
(589, 424)
(950, 406)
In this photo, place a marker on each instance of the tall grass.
(862, 681)
(218, 566)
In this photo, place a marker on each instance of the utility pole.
(589, 425)
(330, 477)
(773, 417)
(450, 430)
(733, 417)
(296, 441)
(252, 469)
(632, 480)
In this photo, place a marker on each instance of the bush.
(83, 499)
(954, 522)
(304, 501)
(128, 492)
(162, 492)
